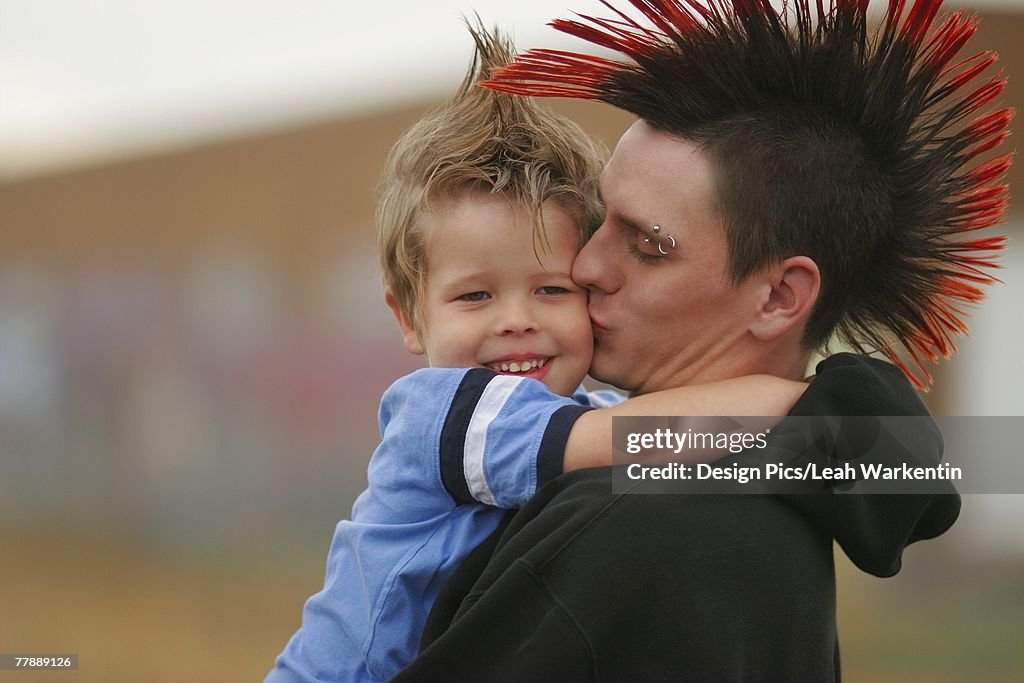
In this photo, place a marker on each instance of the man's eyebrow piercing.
(657, 233)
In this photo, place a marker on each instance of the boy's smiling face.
(492, 300)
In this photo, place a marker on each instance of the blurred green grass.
(142, 615)
(145, 614)
(939, 621)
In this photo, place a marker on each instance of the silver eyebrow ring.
(657, 233)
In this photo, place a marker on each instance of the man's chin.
(603, 372)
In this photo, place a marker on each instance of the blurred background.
(193, 339)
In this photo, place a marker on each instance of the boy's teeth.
(524, 366)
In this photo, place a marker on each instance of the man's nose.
(592, 268)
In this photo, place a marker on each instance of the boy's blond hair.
(481, 139)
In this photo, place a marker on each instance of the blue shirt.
(457, 448)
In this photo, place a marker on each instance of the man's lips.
(597, 327)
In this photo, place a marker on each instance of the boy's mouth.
(527, 367)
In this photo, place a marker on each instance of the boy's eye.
(475, 296)
(552, 290)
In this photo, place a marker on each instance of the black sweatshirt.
(586, 585)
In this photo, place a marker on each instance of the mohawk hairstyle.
(481, 139)
(856, 147)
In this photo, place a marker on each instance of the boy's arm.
(590, 440)
(474, 436)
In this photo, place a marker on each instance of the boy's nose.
(516, 318)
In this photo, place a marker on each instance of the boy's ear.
(409, 336)
(791, 290)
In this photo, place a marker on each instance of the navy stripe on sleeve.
(552, 445)
(453, 434)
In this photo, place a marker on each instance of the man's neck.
(784, 363)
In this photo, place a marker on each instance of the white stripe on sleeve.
(487, 408)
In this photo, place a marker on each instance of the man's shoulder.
(851, 384)
(595, 553)
(581, 509)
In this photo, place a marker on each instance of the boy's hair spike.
(909, 121)
(481, 140)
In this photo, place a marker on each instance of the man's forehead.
(618, 193)
(655, 178)
(647, 159)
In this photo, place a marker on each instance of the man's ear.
(790, 293)
(409, 336)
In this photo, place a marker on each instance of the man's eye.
(552, 290)
(475, 296)
(643, 248)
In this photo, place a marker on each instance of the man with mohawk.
(795, 176)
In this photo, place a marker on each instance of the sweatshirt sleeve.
(873, 530)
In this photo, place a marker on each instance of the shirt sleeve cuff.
(551, 454)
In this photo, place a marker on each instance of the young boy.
(486, 203)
